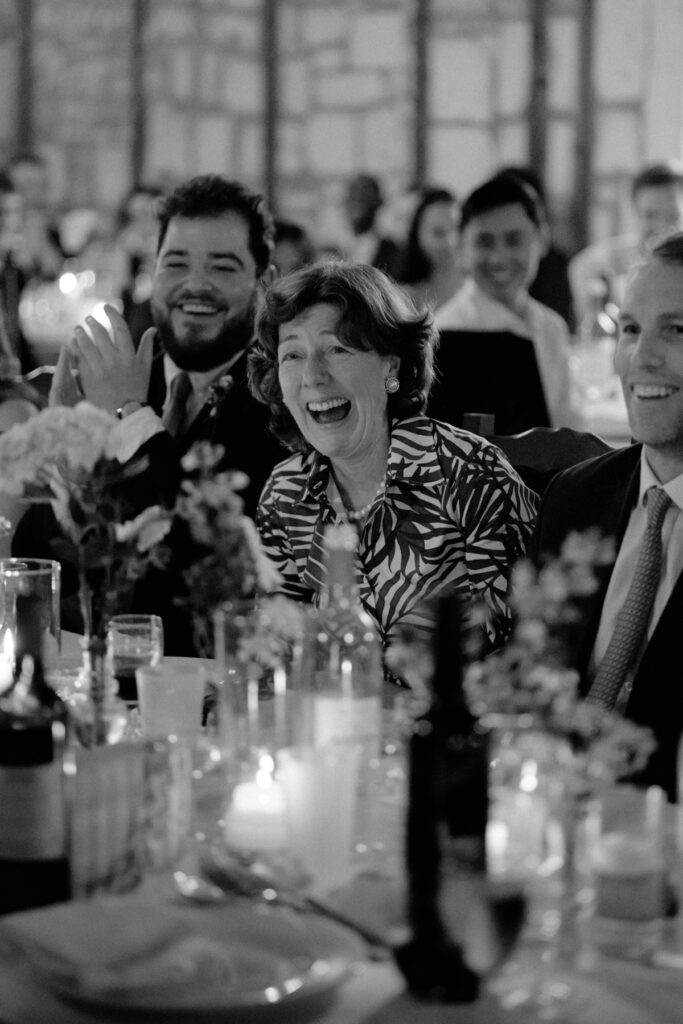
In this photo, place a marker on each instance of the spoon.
(223, 875)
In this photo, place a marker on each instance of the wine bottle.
(341, 658)
(339, 679)
(446, 824)
(34, 869)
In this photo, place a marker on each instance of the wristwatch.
(127, 408)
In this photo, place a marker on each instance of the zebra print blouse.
(454, 517)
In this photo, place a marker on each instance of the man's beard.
(202, 354)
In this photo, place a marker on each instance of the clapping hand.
(111, 371)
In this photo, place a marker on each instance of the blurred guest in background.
(627, 651)
(362, 204)
(657, 199)
(344, 362)
(501, 237)
(136, 241)
(551, 285)
(14, 272)
(43, 254)
(430, 267)
(293, 247)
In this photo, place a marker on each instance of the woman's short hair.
(375, 314)
(501, 190)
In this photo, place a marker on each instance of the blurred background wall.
(294, 96)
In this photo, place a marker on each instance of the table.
(615, 992)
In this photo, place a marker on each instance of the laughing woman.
(345, 364)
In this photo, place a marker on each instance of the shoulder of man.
(584, 496)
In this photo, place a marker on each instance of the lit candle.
(256, 817)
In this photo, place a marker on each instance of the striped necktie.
(631, 626)
(175, 413)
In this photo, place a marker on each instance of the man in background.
(627, 651)
(362, 203)
(598, 273)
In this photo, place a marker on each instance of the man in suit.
(640, 601)
(187, 380)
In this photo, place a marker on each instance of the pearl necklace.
(357, 515)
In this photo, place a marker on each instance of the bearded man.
(187, 380)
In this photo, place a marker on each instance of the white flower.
(147, 529)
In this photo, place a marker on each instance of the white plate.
(284, 966)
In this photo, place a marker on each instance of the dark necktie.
(176, 412)
(633, 618)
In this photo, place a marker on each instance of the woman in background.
(430, 267)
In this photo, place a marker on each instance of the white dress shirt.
(137, 428)
(472, 308)
(622, 574)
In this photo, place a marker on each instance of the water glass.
(133, 641)
(627, 858)
(170, 697)
(43, 576)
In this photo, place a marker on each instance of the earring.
(391, 384)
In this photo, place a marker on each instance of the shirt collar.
(495, 316)
(200, 381)
(674, 488)
(413, 460)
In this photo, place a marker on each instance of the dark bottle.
(446, 824)
(34, 868)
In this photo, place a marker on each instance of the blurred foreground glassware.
(627, 859)
(43, 576)
(170, 698)
(133, 641)
(538, 836)
(338, 678)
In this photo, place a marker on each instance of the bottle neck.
(340, 584)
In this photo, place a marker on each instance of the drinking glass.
(43, 575)
(627, 857)
(133, 641)
(170, 697)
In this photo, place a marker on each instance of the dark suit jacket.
(239, 423)
(602, 493)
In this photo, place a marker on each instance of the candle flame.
(264, 775)
(529, 777)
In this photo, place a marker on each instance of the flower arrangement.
(72, 457)
(230, 565)
(530, 677)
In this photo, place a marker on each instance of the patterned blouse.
(454, 517)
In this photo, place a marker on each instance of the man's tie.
(176, 412)
(631, 625)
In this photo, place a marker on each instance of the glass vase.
(536, 840)
(99, 716)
